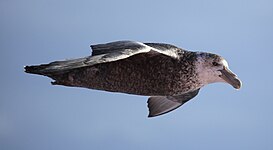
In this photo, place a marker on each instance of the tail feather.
(40, 69)
(57, 67)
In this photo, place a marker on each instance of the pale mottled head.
(213, 68)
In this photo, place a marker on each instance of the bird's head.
(214, 68)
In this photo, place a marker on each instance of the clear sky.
(36, 115)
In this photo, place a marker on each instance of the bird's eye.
(215, 64)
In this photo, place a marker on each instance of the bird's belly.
(128, 76)
(123, 80)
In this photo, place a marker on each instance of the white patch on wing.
(170, 52)
(125, 52)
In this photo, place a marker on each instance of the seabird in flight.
(170, 75)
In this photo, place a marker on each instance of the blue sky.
(37, 115)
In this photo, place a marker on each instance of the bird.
(169, 75)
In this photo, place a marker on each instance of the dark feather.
(159, 105)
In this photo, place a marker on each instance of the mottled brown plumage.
(142, 74)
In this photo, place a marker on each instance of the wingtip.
(150, 116)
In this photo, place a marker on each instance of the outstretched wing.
(103, 53)
(117, 46)
(167, 48)
(114, 51)
(159, 105)
(130, 48)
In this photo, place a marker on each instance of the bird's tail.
(39, 69)
(57, 67)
